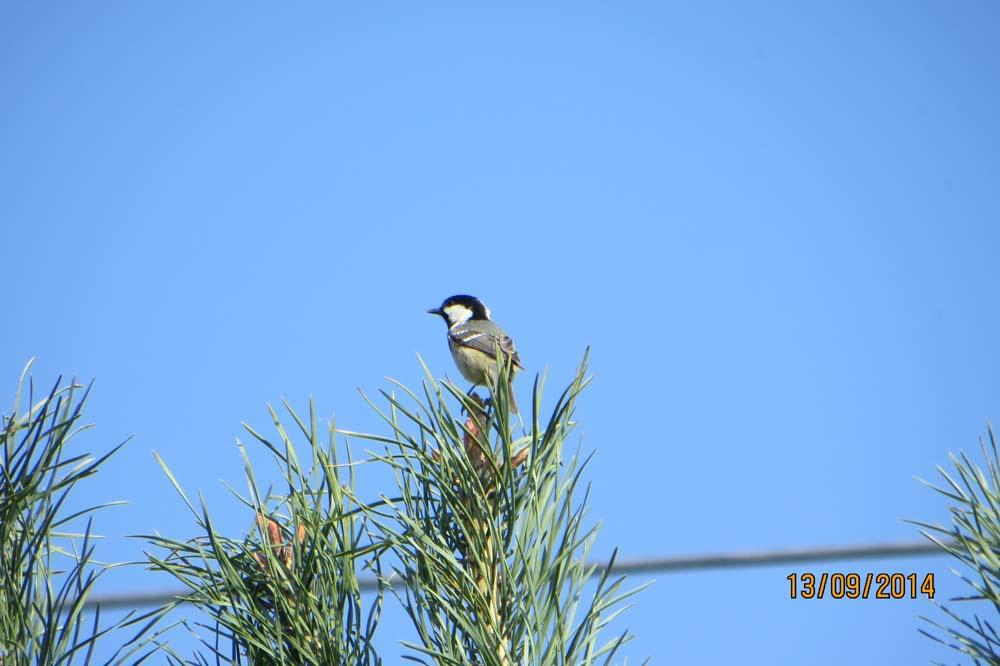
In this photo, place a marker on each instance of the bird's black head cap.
(456, 304)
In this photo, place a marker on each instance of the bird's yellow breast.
(474, 365)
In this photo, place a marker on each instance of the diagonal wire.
(635, 566)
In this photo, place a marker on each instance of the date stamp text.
(860, 586)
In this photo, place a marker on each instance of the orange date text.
(860, 586)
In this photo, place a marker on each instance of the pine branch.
(47, 574)
(973, 539)
(287, 592)
(489, 530)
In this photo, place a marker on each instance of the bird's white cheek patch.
(457, 314)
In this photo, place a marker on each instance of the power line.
(642, 565)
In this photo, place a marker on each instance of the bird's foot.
(481, 404)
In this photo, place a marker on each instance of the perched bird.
(474, 339)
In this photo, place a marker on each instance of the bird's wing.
(485, 336)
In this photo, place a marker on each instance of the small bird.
(473, 339)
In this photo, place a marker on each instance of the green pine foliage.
(47, 572)
(973, 538)
(288, 591)
(483, 539)
(489, 528)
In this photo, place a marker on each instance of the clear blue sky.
(776, 223)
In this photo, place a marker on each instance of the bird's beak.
(435, 311)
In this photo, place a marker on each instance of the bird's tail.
(510, 395)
